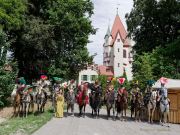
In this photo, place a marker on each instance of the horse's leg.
(84, 110)
(125, 113)
(152, 115)
(38, 107)
(122, 112)
(108, 112)
(149, 114)
(80, 110)
(168, 119)
(135, 114)
(67, 108)
(113, 111)
(22, 109)
(14, 108)
(98, 111)
(72, 109)
(27, 108)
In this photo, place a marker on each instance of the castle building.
(117, 47)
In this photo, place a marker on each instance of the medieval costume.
(148, 91)
(59, 105)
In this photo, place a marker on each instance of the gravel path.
(90, 126)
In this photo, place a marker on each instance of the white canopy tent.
(172, 84)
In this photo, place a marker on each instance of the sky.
(104, 14)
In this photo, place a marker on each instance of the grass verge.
(25, 126)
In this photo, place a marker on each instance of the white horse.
(164, 107)
(152, 106)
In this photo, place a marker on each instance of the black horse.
(95, 98)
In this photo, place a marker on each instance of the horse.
(82, 99)
(109, 100)
(41, 99)
(151, 106)
(132, 104)
(121, 103)
(70, 99)
(138, 106)
(95, 99)
(164, 110)
(26, 101)
(164, 104)
(55, 89)
(17, 103)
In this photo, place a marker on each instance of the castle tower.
(117, 49)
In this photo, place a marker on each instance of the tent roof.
(172, 84)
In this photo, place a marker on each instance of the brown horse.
(121, 103)
(17, 104)
(109, 100)
(82, 100)
(138, 106)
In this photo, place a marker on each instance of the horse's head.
(39, 89)
(154, 95)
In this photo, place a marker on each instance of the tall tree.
(152, 23)
(155, 28)
(54, 37)
(6, 77)
(12, 13)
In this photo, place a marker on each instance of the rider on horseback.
(148, 92)
(163, 89)
(43, 84)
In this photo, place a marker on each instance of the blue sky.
(104, 15)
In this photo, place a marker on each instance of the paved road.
(91, 126)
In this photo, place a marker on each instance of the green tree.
(153, 23)
(12, 13)
(143, 69)
(155, 28)
(56, 33)
(6, 77)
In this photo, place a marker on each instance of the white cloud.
(104, 15)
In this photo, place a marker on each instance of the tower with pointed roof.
(117, 50)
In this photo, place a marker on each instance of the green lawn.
(25, 125)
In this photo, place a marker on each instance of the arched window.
(124, 54)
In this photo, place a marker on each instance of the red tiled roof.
(119, 28)
(104, 70)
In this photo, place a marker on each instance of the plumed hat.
(22, 80)
(163, 80)
(121, 80)
(150, 82)
(43, 77)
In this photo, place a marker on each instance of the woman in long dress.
(60, 104)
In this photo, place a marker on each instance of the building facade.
(88, 75)
(117, 49)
